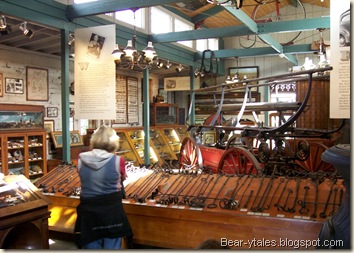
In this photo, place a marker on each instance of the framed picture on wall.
(14, 85)
(49, 126)
(37, 84)
(75, 138)
(1, 85)
(52, 112)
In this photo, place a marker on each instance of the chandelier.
(131, 57)
(236, 3)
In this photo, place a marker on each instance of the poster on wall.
(95, 78)
(340, 59)
(121, 102)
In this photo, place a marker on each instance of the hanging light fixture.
(130, 57)
(71, 39)
(236, 3)
(4, 27)
(3, 23)
(27, 32)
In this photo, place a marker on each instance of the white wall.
(13, 63)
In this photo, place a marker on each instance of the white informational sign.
(95, 92)
(340, 59)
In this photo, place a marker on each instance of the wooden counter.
(180, 226)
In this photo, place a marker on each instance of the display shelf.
(161, 145)
(24, 154)
(172, 138)
(136, 136)
(24, 215)
(126, 149)
(163, 114)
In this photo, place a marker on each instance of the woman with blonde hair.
(101, 220)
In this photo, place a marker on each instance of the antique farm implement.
(258, 149)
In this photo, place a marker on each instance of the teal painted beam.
(100, 7)
(243, 17)
(277, 47)
(192, 96)
(178, 13)
(206, 14)
(65, 111)
(266, 28)
(37, 12)
(260, 51)
(204, 33)
(146, 112)
(294, 25)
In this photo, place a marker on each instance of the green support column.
(146, 117)
(65, 115)
(192, 94)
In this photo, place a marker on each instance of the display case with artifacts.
(24, 214)
(21, 117)
(163, 114)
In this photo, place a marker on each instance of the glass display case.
(24, 153)
(125, 149)
(21, 117)
(173, 139)
(161, 145)
(137, 138)
(163, 114)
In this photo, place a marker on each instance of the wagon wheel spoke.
(190, 157)
(314, 162)
(238, 160)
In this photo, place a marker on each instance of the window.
(183, 26)
(83, 1)
(161, 22)
(127, 16)
(212, 44)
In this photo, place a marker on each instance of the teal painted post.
(65, 115)
(192, 94)
(146, 112)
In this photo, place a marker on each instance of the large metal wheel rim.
(300, 15)
(241, 153)
(190, 157)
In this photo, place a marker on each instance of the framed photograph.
(52, 112)
(14, 85)
(75, 139)
(250, 72)
(1, 85)
(49, 127)
(95, 45)
(37, 84)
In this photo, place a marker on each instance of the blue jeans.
(105, 243)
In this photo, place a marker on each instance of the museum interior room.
(231, 122)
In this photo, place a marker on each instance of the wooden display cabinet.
(136, 136)
(161, 145)
(172, 138)
(163, 114)
(24, 153)
(24, 215)
(126, 150)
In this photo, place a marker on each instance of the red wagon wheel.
(190, 157)
(314, 162)
(237, 161)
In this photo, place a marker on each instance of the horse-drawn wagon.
(259, 149)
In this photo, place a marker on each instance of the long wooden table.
(180, 226)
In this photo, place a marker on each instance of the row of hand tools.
(316, 195)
